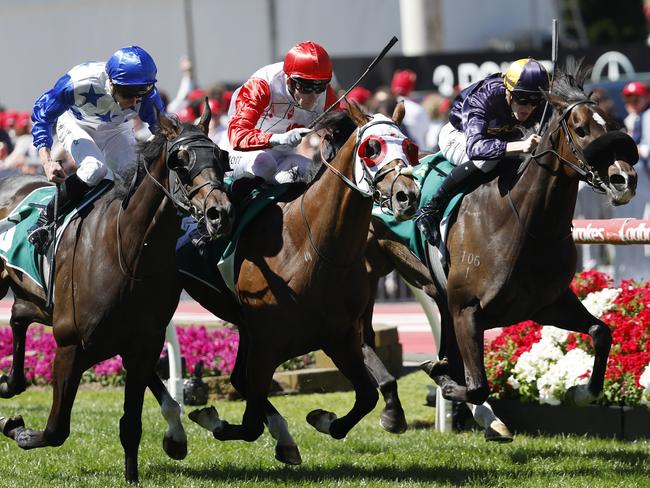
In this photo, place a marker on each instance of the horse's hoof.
(393, 420)
(174, 449)
(321, 420)
(30, 439)
(498, 432)
(435, 368)
(8, 425)
(578, 396)
(7, 391)
(288, 455)
(207, 417)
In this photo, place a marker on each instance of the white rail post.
(443, 406)
(175, 382)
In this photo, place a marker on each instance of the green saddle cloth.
(15, 249)
(429, 174)
(214, 263)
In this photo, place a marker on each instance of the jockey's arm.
(251, 101)
(476, 118)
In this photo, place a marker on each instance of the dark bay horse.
(115, 283)
(510, 252)
(301, 280)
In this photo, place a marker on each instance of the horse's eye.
(373, 148)
(580, 132)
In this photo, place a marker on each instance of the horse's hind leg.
(69, 364)
(15, 383)
(392, 417)
(570, 314)
(175, 439)
(348, 358)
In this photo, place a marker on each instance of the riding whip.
(554, 46)
(50, 278)
(374, 63)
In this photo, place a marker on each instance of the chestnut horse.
(301, 281)
(510, 253)
(112, 295)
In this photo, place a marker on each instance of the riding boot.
(71, 192)
(429, 216)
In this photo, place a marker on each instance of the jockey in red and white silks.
(269, 114)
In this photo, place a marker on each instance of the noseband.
(583, 169)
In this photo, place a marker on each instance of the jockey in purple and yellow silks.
(482, 121)
(91, 106)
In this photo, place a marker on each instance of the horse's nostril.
(617, 179)
(401, 197)
(213, 214)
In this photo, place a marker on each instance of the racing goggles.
(133, 91)
(526, 98)
(309, 86)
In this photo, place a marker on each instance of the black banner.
(442, 72)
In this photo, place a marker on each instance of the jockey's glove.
(291, 138)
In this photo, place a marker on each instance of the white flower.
(600, 302)
(513, 382)
(572, 369)
(644, 381)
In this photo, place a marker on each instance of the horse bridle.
(183, 175)
(401, 168)
(582, 168)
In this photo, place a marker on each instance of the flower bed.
(538, 364)
(216, 347)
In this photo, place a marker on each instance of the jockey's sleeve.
(149, 108)
(48, 107)
(253, 98)
(477, 112)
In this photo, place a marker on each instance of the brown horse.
(301, 281)
(385, 253)
(112, 295)
(510, 253)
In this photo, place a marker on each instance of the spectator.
(637, 101)
(416, 119)
(437, 108)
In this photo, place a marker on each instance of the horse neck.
(338, 216)
(545, 195)
(148, 209)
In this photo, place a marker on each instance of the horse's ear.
(356, 114)
(398, 113)
(559, 103)
(204, 121)
(169, 126)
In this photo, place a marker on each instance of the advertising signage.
(441, 72)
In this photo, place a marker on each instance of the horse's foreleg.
(175, 439)
(286, 449)
(392, 416)
(69, 364)
(469, 337)
(570, 314)
(131, 426)
(348, 358)
(15, 383)
(495, 429)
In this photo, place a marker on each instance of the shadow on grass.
(351, 473)
(523, 455)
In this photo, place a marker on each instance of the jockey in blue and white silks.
(489, 120)
(91, 106)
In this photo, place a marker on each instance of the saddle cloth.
(15, 249)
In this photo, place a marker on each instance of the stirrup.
(40, 238)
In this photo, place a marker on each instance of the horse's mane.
(146, 153)
(568, 82)
(339, 124)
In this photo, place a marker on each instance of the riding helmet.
(526, 75)
(131, 65)
(308, 61)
